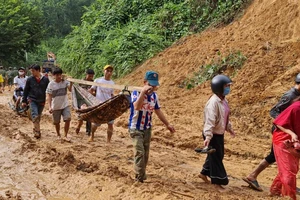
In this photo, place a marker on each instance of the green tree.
(20, 30)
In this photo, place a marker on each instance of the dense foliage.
(126, 32)
(92, 33)
(20, 30)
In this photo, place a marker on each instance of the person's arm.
(290, 132)
(69, 85)
(138, 104)
(49, 100)
(162, 118)
(26, 92)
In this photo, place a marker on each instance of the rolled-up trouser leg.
(36, 110)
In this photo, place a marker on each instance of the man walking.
(142, 105)
(283, 103)
(103, 94)
(35, 95)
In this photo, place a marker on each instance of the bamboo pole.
(113, 86)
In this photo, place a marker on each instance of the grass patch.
(233, 61)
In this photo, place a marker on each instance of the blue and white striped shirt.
(142, 119)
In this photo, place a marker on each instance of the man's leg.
(94, 128)
(57, 129)
(67, 119)
(139, 154)
(110, 130)
(79, 124)
(262, 165)
(88, 128)
(56, 115)
(147, 139)
(34, 110)
(66, 129)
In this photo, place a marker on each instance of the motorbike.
(23, 111)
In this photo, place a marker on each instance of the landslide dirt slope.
(267, 34)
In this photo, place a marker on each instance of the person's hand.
(147, 89)
(50, 110)
(295, 138)
(24, 105)
(171, 128)
(206, 142)
(232, 134)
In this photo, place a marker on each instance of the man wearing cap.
(19, 83)
(142, 105)
(35, 95)
(103, 94)
(88, 77)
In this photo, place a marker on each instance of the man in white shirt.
(103, 94)
(19, 83)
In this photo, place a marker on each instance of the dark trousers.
(271, 157)
(88, 127)
(213, 166)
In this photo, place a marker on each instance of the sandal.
(204, 150)
(253, 184)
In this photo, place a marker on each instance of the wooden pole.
(113, 86)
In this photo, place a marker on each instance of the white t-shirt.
(102, 93)
(21, 81)
(59, 94)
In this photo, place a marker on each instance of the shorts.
(1, 78)
(65, 113)
(111, 122)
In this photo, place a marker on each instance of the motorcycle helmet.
(218, 82)
(297, 79)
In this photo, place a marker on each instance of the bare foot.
(58, 138)
(91, 139)
(204, 178)
(220, 188)
(67, 139)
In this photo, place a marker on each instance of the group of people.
(285, 148)
(37, 89)
(7, 78)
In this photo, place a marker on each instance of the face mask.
(226, 91)
(21, 73)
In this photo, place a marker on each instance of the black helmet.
(297, 79)
(218, 82)
(21, 68)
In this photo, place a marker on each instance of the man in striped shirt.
(58, 102)
(142, 106)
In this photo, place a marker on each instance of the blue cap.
(152, 78)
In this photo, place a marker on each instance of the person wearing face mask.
(216, 122)
(142, 105)
(19, 84)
